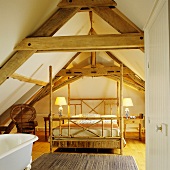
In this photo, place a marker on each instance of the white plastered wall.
(89, 87)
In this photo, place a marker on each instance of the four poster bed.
(88, 130)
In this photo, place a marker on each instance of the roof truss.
(132, 39)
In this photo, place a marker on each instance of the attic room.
(94, 54)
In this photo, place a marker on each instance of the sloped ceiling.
(21, 19)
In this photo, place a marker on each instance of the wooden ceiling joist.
(85, 3)
(83, 42)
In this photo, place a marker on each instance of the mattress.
(87, 128)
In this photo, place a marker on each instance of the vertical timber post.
(121, 109)
(51, 118)
(68, 100)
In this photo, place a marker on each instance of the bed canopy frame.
(100, 142)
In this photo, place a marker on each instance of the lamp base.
(60, 111)
(127, 113)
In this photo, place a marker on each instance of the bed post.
(118, 102)
(121, 109)
(50, 81)
(68, 100)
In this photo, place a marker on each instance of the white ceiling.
(20, 18)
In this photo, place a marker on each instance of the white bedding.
(73, 131)
(77, 131)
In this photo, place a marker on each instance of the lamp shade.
(127, 102)
(60, 101)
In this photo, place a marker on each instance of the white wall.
(157, 88)
(88, 87)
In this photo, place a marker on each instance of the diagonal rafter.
(56, 87)
(54, 23)
(128, 82)
(56, 80)
(129, 73)
(48, 29)
(116, 19)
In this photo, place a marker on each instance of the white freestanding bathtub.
(16, 151)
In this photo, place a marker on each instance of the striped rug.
(83, 161)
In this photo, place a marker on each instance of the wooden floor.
(134, 147)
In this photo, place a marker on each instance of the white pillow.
(91, 115)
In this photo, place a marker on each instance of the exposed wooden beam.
(83, 42)
(56, 80)
(68, 81)
(60, 17)
(142, 49)
(59, 85)
(99, 71)
(116, 19)
(54, 23)
(85, 3)
(94, 98)
(113, 57)
(93, 59)
(90, 71)
(73, 58)
(137, 79)
(127, 82)
(14, 63)
(128, 71)
(27, 79)
(133, 84)
(127, 20)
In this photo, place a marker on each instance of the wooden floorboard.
(134, 147)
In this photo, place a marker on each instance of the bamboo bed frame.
(69, 141)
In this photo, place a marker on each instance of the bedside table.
(138, 121)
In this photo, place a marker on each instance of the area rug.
(83, 161)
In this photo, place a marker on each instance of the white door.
(157, 88)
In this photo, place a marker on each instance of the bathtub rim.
(24, 144)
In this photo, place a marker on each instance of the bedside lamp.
(60, 101)
(127, 102)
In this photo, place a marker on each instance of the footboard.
(87, 132)
(87, 143)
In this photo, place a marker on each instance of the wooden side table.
(138, 121)
(47, 119)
